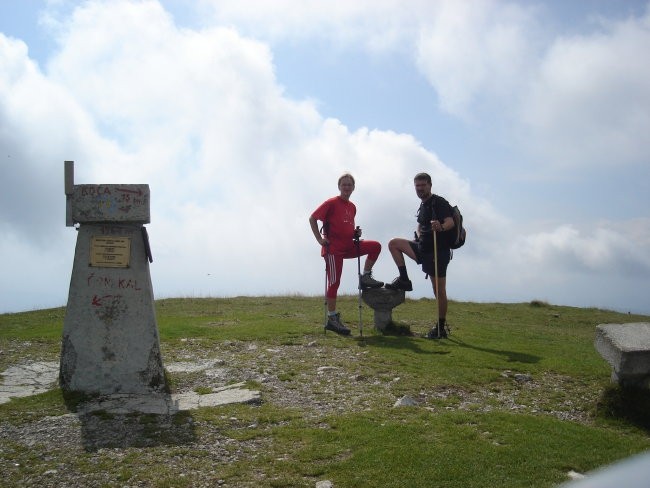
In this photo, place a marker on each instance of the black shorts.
(426, 260)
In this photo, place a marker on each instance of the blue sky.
(532, 116)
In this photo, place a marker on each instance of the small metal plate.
(110, 252)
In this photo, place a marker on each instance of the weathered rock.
(383, 301)
(405, 401)
(626, 347)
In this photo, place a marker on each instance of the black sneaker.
(367, 281)
(400, 284)
(437, 333)
(335, 325)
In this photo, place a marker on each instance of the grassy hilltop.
(516, 397)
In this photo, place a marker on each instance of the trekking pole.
(327, 249)
(435, 276)
(356, 241)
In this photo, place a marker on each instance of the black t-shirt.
(434, 208)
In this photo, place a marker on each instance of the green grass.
(409, 448)
(474, 426)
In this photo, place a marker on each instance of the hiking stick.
(356, 241)
(326, 318)
(435, 276)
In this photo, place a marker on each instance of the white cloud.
(567, 100)
(39, 124)
(235, 167)
(372, 24)
(606, 251)
(475, 50)
(589, 105)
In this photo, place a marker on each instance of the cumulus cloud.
(236, 167)
(377, 25)
(603, 250)
(589, 102)
(570, 99)
(39, 121)
(476, 50)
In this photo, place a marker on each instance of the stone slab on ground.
(230, 394)
(626, 347)
(161, 404)
(28, 379)
(36, 377)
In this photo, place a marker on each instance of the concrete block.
(110, 203)
(626, 347)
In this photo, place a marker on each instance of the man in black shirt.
(434, 215)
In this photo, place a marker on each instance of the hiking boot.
(367, 281)
(400, 284)
(437, 333)
(335, 325)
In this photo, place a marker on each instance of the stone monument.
(110, 338)
(383, 301)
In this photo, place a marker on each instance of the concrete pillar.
(110, 338)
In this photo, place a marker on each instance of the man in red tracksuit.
(338, 243)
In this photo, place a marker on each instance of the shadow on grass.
(105, 429)
(631, 405)
(397, 336)
(511, 356)
(400, 336)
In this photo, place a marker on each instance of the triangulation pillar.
(110, 337)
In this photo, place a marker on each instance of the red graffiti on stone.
(98, 301)
(102, 281)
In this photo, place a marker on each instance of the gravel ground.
(316, 379)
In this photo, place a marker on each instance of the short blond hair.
(346, 175)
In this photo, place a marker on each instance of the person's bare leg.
(367, 267)
(397, 248)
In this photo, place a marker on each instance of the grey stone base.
(383, 301)
(626, 347)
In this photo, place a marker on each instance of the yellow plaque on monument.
(110, 252)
